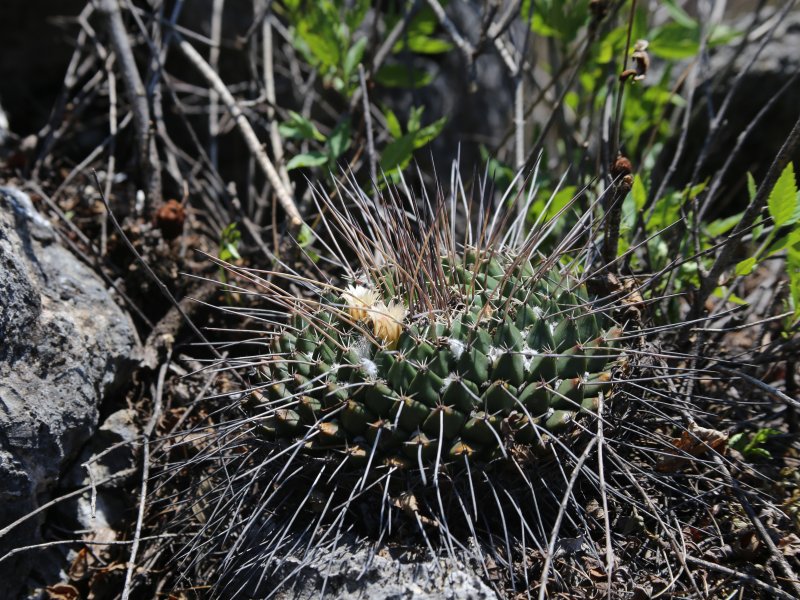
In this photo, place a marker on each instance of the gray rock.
(64, 346)
(354, 573)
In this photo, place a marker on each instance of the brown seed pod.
(621, 167)
(169, 219)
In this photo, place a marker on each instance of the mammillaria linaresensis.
(516, 357)
(429, 366)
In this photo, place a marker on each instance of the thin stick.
(775, 554)
(269, 90)
(754, 124)
(87, 488)
(463, 44)
(622, 82)
(551, 546)
(385, 48)
(772, 391)
(284, 195)
(604, 495)
(136, 94)
(373, 171)
(152, 275)
(775, 592)
(213, 95)
(148, 432)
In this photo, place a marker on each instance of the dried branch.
(213, 95)
(146, 155)
(147, 434)
(269, 89)
(284, 195)
(373, 171)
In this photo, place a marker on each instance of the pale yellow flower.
(359, 300)
(387, 322)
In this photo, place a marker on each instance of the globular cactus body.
(516, 360)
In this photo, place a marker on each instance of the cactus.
(519, 356)
(434, 369)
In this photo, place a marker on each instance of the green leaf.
(629, 213)
(750, 446)
(298, 127)
(560, 19)
(423, 23)
(398, 152)
(723, 226)
(793, 267)
(746, 266)
(723, 292)
(679, 15)
(396, 75)
(763, 435)
(392, 123)
(415, 118)
(737, 441)
(723, 34)
(322, 39)
(424, 135)
(418, 34)
(638, 192)
(563, 197)
(229, 243)
(355, 16)
(339, 141)
(752, 189)
(501, 174)
(675, 42)
(353, 57)
(310, 159)
(305, 236)
(422, 44)
(782, 200)
(758, 452)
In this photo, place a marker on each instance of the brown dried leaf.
(790, 545)
(694, 443)
(62, 591)
(80, 566)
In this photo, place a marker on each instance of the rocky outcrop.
(64, 346)
(354, 572)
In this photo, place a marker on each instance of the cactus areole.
(473, 357)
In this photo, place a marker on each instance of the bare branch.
(284, 195)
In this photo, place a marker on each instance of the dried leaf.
(694, 443)
(790, 545)
(63, 591)
(80, 566)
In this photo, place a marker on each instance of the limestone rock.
(64, 346)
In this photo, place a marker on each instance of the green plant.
(335, 145)
(751, 445)
(324, 33)
(783, 206)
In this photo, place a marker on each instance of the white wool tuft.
(456, 347)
